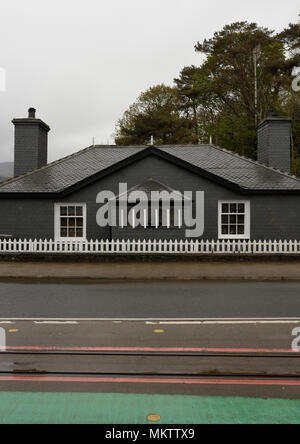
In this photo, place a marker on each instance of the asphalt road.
(252, 359)
(90, 336)
(132, 364)
(150, 300)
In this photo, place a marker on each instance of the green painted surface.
(102, 408)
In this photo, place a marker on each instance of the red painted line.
(155, 349)
(150, 380)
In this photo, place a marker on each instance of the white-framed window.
(70, 221)
(234, 219)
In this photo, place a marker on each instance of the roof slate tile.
(67, 172)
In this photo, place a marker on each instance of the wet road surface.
(150, 300)
(60, 313)
(228, 358)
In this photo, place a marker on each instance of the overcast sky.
(82, 63)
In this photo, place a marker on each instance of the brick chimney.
(274, 142)
(31, 143)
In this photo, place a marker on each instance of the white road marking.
(161, 321)
(56, 322)
(219, 322)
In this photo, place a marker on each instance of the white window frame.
(246, 235)
(57, 227)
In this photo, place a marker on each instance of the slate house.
(243, 199)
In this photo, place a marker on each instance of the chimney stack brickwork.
(274, 142)
(31, 143)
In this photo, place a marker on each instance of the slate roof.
(220, 164)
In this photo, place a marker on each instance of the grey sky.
(82, 63)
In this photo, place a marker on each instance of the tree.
(190, 97)
(217, 99)
(222, 88)
(157, 112)
(290, 38)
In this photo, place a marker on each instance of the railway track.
(154, 364)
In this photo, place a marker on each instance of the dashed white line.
(56, 322)
(220, 322)
(270, 319)
(158, 321)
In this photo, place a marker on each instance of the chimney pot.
(31, 113)
(272, 113)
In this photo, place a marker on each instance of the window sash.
(234, 219)
(70, 221)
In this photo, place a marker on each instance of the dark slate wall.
(272, 217)
(26, 218)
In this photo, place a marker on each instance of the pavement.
(230, 269)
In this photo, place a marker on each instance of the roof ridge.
(256, 162)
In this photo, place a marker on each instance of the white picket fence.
(149, 246)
